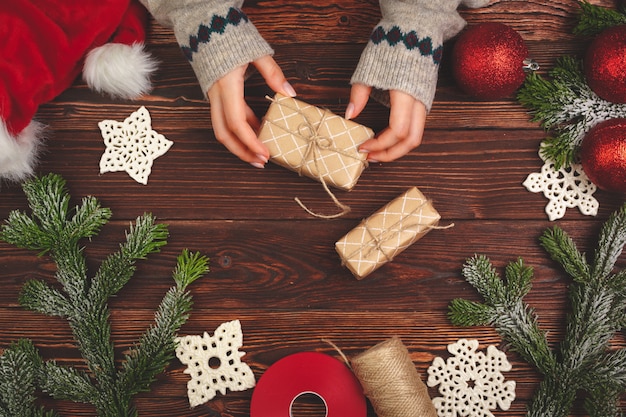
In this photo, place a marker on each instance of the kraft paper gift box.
(387, 232)
(314, 142)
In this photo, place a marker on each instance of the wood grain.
(273, 267)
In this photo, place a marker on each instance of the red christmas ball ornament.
(489, 61)
(605, 64)
(603, 155)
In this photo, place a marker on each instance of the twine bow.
(310, 133)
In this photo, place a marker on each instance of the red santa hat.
(43, 48)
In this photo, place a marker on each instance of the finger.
(274, 76)
(389, 146)
(400, 119)
(237, 115)
(401, 113)
(223, 133)
(231, 118)
(359, 95)
(252, 119)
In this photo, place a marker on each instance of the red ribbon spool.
(308, 373)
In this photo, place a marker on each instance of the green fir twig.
(56, 230)
(594, 19)
(583, 361)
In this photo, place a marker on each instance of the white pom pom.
(120, 70)
(18, 154)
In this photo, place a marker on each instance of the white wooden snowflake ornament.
(214, 363)
(566, 188)
(471, 382)
(132, 145)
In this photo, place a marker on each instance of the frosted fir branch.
(40, 297)
(20, 363)
(563, 250)
(504, 308)
(567, 108)
(64, 383)
(609, 370)
(611, 243)
(82, 300)
(156, 347)
(584, 360)
(144, 237)
(603, 402)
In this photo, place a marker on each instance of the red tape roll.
(303, 373)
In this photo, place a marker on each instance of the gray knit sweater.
(403, 52)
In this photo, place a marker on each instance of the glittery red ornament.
(603, 155)
(488, 61)
(605, 64)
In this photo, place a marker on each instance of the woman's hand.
(407, 118)
(234, 122)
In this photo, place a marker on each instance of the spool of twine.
(391, 382)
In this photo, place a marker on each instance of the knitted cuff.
(473, 4)
(225, 43)
(397, 68)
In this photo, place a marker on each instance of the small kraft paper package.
(314, 142)
(387, 232)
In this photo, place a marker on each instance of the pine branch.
(88, 219)
(49, 201)
(157, 345)
(608, 371)
(20, 363)
(189, 267)
(83, 300)
(603, 402)
(589, 328)
(563, 250)
(610, 243)
(64, 383)
(144, 237)
(470, 313)
(40, 297)
(566, 107)
(546, 403)
(504, 308)
(518, 281)
(594, 19)
(598, 301)
(480, 273)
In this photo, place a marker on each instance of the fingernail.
(257, 165)
(262, 157)
(349, 111)
(373, 161)
(289, 89)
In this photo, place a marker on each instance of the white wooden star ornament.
(214, 363)
(132, 145)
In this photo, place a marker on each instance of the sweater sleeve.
(216, 36)
(405, 49)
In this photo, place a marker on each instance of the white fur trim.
(120, 70)
(18, 154)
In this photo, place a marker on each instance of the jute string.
(377, 240)
(309, 133)
(391, 381)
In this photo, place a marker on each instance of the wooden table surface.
(274, 267)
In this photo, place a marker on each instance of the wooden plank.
(468, 173)
(293, 265)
